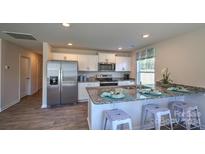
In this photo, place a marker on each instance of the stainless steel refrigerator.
(62, 86)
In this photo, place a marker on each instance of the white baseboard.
(84, 100)
(9, 104)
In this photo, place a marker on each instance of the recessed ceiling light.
(119, 48)
(70, 44)
(145, 35)
(66, 24)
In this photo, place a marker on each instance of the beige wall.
(185, 58)
(10, 87)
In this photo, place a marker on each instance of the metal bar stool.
(157, 113)
(116, 117)
(185, 114)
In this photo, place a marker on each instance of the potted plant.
(165, 81)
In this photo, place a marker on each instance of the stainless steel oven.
(109, 83)
(106, 80)
(106, 67)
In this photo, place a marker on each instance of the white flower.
(164, 70)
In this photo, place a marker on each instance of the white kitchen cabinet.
(106, 57)
(92, 62)
(126, 83)
(57, 56)
(71, 57)
(82, 92)
(82, 63)
(88, 62)
(64, 56)
(123, 63)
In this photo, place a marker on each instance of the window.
(146, 66)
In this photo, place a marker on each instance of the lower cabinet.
(82, 92)
(126, 83)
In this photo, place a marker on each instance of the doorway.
(24, 76)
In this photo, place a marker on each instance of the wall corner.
(46, 57)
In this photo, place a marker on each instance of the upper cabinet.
(123, 63)
(87, 62)
(90, 62)
(64, 56)
(106, 57)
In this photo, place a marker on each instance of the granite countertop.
(132, 93)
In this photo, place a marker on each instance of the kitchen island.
(134, 99)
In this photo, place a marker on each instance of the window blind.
(146, 53)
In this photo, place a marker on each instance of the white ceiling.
(100, 36)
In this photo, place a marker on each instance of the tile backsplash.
(94, 74)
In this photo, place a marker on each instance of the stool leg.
(198, 118)
(130, 124)
(144, 117)
(114, 126)
(105, 123)
(187, 120)
(157, 122)
(176, 115)
(170, 121)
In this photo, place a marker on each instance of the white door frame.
(29, 83)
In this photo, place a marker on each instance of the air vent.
(17, 35)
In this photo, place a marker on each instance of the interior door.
(24, 76)
(69, 87)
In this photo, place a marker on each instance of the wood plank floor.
(28, 115)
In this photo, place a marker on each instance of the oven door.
(108, 83)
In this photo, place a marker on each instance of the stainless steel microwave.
(106, 67)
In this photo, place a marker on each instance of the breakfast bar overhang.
(134, 100)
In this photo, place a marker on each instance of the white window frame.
(139, 72)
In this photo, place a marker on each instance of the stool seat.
(116, 117)
(182, 104)
(153, 108)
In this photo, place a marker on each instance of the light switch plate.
(7, 67)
